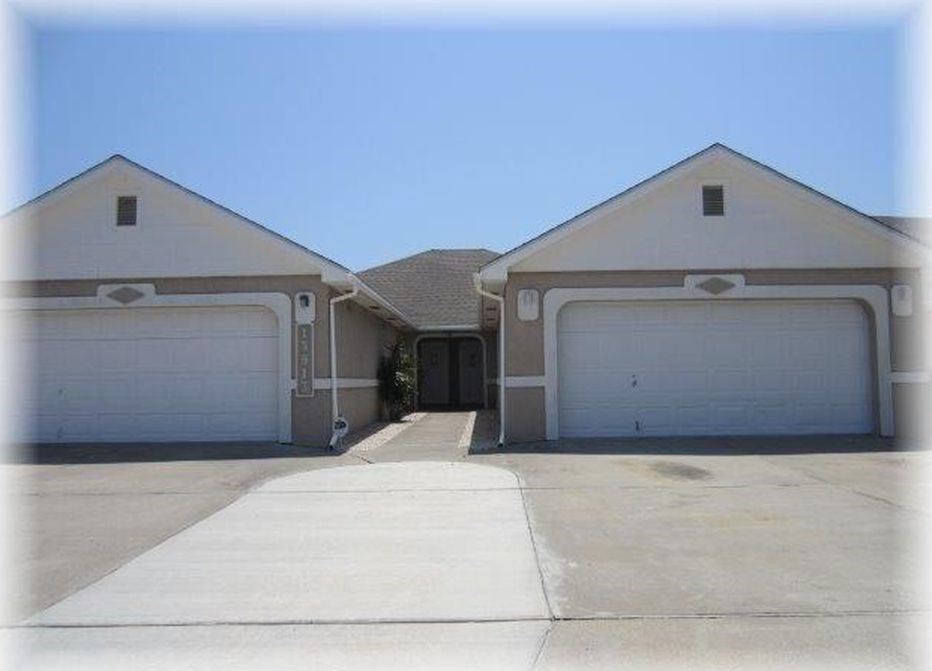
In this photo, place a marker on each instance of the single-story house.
(154, 314)
(716, 297)
(719, 297)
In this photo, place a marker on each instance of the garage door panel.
(686, 315)
(714, 368)
(256, 355)
(663, 381)
(766, 350)
(618, 350)
(728, 381)
(721, 350)
(811, 413)
(693, 417)
(239, 426)
(253, 391)
(805, 315)
(770, 415)
(806, 350)
(848, 413)
(577, 348)
(734, 316)
(726, 415)
(154, 374)
(843, 343)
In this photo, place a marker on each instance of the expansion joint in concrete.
(537, 560)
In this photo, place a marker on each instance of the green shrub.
(398, 381)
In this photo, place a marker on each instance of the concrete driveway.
(757, 553)
(768, 553)
(84, 511)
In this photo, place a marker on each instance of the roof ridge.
(426, 252)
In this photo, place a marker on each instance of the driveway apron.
(411, 544)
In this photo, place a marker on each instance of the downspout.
(501, 355)
(334, 404)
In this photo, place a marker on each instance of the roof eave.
(351, 281)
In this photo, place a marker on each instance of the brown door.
(470, 372)
(434, 372)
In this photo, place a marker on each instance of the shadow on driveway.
(730, 445)
(116, 453)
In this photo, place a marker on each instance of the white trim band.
(323, 383)
(525, 381)
(909, 377)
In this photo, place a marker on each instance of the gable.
(770, 222)
(73, 234)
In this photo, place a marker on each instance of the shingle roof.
(918, 228)
(435, 287)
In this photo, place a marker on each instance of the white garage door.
(154, 374)
(714, 368)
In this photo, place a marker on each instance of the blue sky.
(368, 144)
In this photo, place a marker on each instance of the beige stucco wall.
(525, 415)
(524, 356)
(311, 421)
(361, 337)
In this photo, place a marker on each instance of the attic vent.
(713, 201)
(126, 211)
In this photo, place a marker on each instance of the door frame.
(457, 336)
(872, 297)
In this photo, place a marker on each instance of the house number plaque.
(305, 360)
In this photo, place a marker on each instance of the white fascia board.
(57, 193)
(808, 194)
(497, 270)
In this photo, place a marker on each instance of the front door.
(434, 373)
(470, 372)
(450, 373)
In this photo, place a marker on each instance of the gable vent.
(126, 211)
(713, 201)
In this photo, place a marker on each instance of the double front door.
(450, 373)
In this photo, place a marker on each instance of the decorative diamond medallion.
(125, 295)
(715, 285)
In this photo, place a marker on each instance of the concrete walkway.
(409, 544)
(438, 435)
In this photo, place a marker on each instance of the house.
(717, 297)
(155, 314)
(454, 327)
